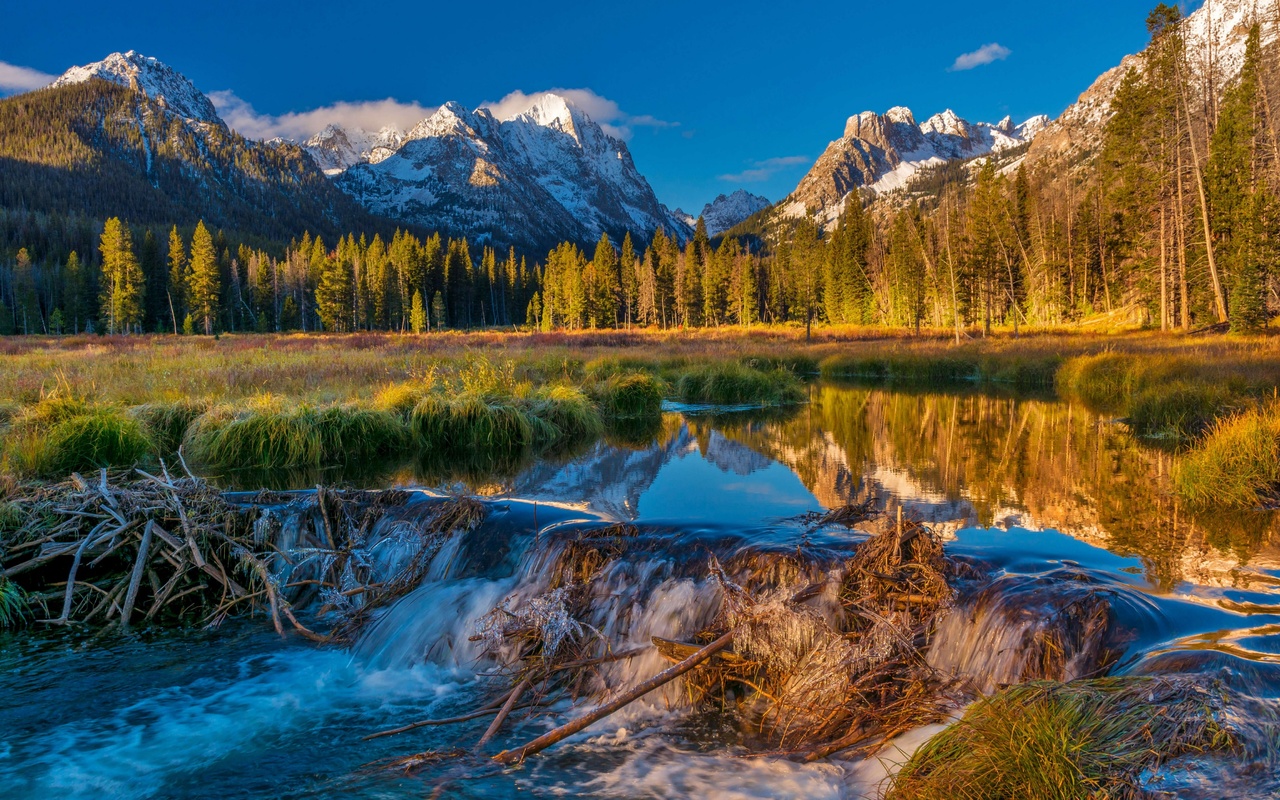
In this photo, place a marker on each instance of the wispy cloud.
(15, 79)
(981, 57)
(372, 115)
(604, 112)
(764, 170)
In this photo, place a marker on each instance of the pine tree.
(334, 292)
(178, 276)
(122, 280)
(628, 268)
(205, 284)
(607, 284)
(418, 313)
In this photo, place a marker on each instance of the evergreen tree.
(178, 277)
(205, 284)
(418, 313)
(122, 281)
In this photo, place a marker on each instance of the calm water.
(1032, 487)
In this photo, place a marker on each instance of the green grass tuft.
(731, 383)
(629, 395)
(167, 423)
(92, 438)
(470, 422)
(271, 434)
(14, 606)
(266, 434)
(1063, 741)
(353, 433)
(1237, 463)
(567, 412)
(1178, 409)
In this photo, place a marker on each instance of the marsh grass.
(62, 435)
(565, 416)
(467, 423)
(14, 606)
(167, 422)
(271, 433)
(732, 383)
(906, 367)
(629, 395)
(1064, 741)
(1179, 409)
(1237, 463)
(352, 433)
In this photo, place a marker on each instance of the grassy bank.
(1067, 741)
(479, 413)
(309, 400)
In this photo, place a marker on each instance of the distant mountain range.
(130, 135)
(726, 211)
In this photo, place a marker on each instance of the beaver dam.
(874, 594)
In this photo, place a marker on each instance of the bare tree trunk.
(1220, 303)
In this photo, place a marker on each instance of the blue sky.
(713, 96)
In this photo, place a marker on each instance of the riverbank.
(253, 402)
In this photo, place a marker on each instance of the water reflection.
(958, 460)
(963, 461)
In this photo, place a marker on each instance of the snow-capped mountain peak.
(551, 110)
(547, 173)
(881, 152)
(153, 78)
(337, 149)
(947, 123)
(726, 211)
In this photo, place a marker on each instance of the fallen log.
(635, 693)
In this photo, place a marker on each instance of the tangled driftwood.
(134, 548)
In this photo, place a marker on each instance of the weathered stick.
(413, 726)
(635, 693)
(135, 580)
(502, 715)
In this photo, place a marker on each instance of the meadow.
(256, 401)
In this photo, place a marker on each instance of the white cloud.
(603, 111)
(15, 79)
(298, 125)
(764, 170)
(981, 57)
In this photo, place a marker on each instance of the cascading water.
(238, 713)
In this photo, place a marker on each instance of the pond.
(1032, 488)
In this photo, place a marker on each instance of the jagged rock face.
(1220, 27)
(337, 149)
(726, 211)
(881, 152)
(159, 82)
(167, 157)
(545, 175)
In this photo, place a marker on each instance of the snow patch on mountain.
(337, 149)
(727, 211)
(882, 152)
(151, 77)
(542, 174)
(1220, 27)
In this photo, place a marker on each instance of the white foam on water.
(136, 750)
